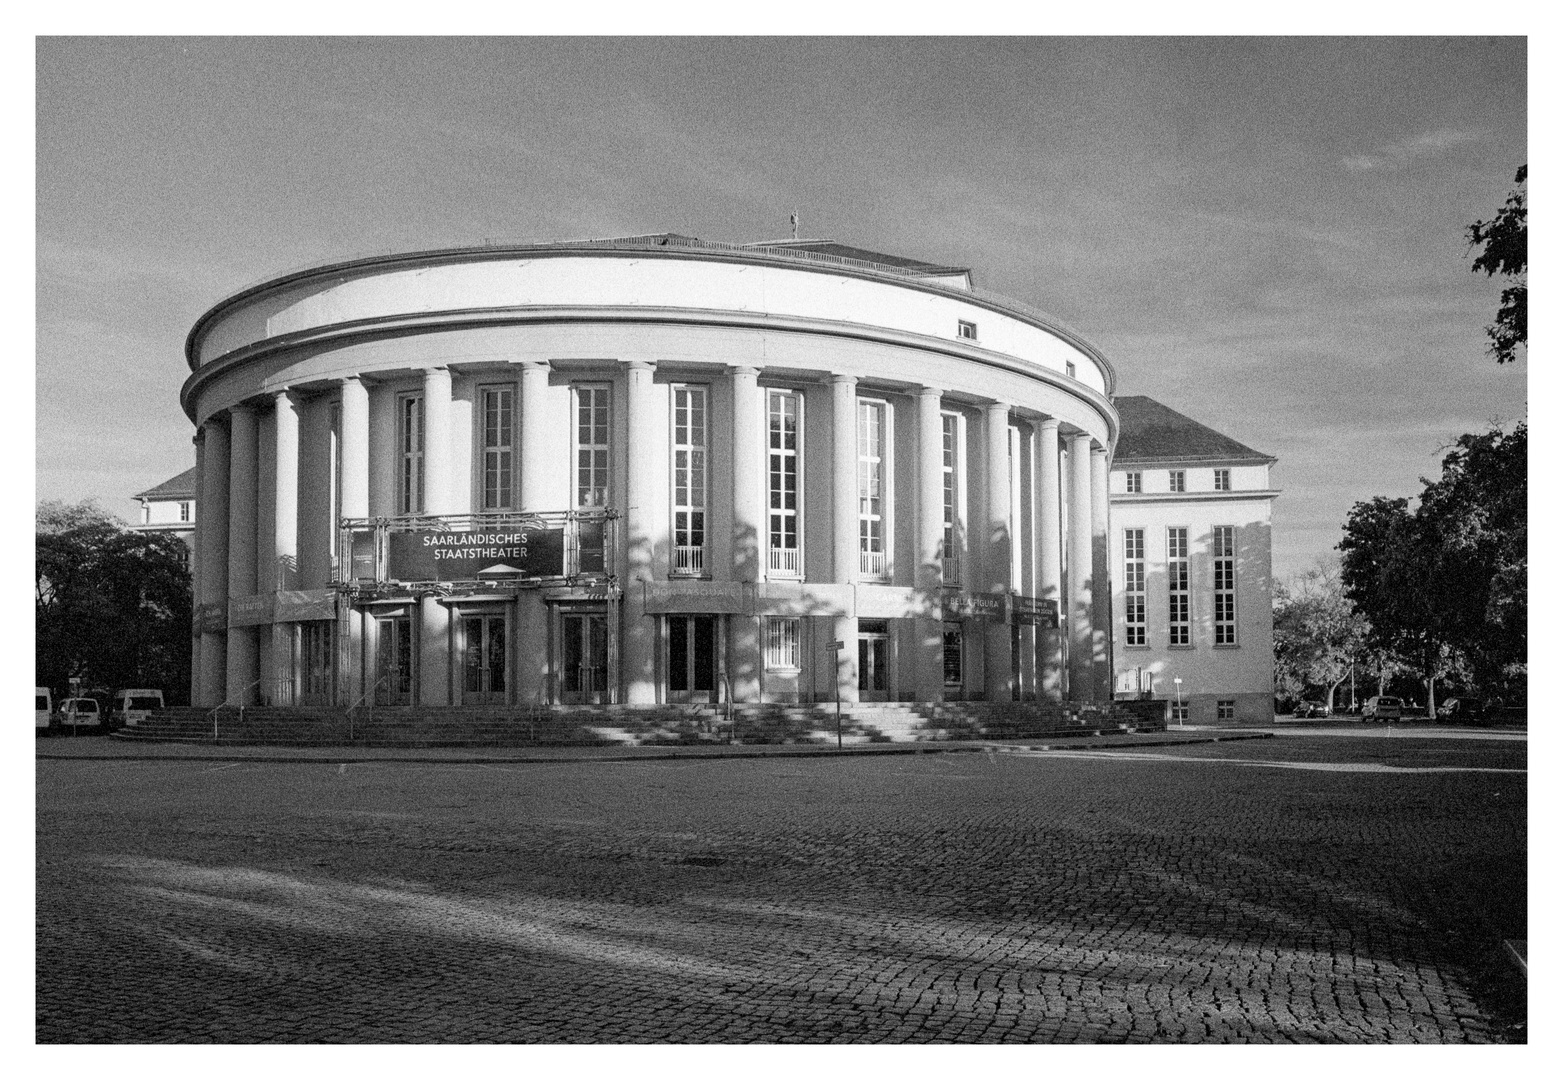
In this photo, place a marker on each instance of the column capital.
(843, 380)
(199, 438)
(1080, 437)
(243, 408)
(535, 365)
(1098, 448)
(994, 407)
(350, 380)
(641, 365)
(930, 392)
(736, 370)
(282, 394)
(1047, 422)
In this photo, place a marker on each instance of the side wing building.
(1190, 557)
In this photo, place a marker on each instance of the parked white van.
(45, 708)
(133, 706)
(79, 712)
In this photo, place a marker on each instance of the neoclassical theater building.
(647, 470)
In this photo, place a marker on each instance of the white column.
(197, 540)
(1023, 502)
(1050, 559)
(531, 643)
(438, 475)
(1080, 663)
(1101, 580)
(435, 670)
(844, 522)
(929, 628)
(640, 686)
(351, 679)
(284, 542)
(745, 667)
(998, 657)
(212, 517)
(535, 462)
(243, 648)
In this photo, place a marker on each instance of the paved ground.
(1300, 889)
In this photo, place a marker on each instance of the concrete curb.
(670, 754)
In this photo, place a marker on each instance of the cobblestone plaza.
(1293, 889)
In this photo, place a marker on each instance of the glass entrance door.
(873, 666)
(691, 658)
(484, 659)
(583, 668)
(393, 661)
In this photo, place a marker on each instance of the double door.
(393, 660)
(873, 666)
(691, 666)
(583, 658)
(485, 665)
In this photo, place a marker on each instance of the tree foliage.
(1444, 586)
(1503, 245)
(112, 605)
(1319, 633)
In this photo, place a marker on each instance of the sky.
(1266, 234)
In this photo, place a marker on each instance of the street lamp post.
(836, 647)
(1178, 685)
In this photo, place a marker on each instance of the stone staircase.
(627, 725)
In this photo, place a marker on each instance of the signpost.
(836, 647)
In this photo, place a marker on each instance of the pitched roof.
(177, 487)
(1149, 431)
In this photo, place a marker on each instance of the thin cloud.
(1397, 155)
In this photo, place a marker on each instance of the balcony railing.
(785, 561)
(871, 563)
(689, 560)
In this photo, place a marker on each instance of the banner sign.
(254, 610)
(503, 553)
(992, 606)
(210, 619)
(305, 605)
(361, 555)
(1035, 610)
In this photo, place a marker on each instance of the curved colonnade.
(779, 453)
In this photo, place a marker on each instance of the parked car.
(1311, 709)
(1461, 710)
(80, 712)
(44, 708)
(133, 706)
(1381, 708)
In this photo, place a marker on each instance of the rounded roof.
(815, 256)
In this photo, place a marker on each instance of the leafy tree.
(1444, 587)
(1503, 245)
(112, 605)
(1319, 634)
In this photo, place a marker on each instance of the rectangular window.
(781, 643)
(591, 446)
(1226, 709)
(953, 649)
(1180, 713)
(967, 330)
(1225, 578)
(409, 435)
(184, 511)
(1133, 483)
(871, 488)
(1178, 585)
(952, 478)
(498, 405)
(689, 480)
(783, 410)
(1175, 480)
(1223, 479)
(1134, 586)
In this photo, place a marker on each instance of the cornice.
(790, 261)
(1130, 498)
(380, 326)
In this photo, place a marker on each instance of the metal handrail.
(225, 702)
(367, 695)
